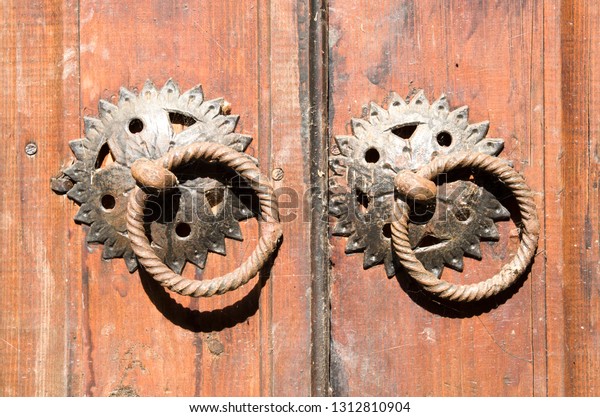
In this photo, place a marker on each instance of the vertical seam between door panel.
(318, 151)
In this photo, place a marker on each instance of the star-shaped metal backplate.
(147, 125)
(407, 135)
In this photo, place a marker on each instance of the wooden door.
(530, 69)
(72, 324)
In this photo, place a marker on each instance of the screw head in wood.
(31, 148)
(277, 174)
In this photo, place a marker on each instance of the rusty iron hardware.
(156, 175)
(530, 226)
(375, 166)
(184, 218)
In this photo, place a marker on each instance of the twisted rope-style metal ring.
(157, 175)
(510, 271)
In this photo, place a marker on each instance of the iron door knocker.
(125, 162)
(384, 198)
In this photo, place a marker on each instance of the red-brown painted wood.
(73, 324)
(572, 161)
(485, 55)
(39, 103)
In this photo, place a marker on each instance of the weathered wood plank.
(534, 172)
(314, 90)
(232, 347)
(553, 191)
(572, 130)
(387, 340)
(72, 324)
(287, 66)
(39, 105)
(143, 340)
(265, 138)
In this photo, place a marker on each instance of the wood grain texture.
(143, 340)
(387, 339)
(284, 92)
(573, 145)
(37, 258)
(73, 324)
(317, 92)
(553, 190)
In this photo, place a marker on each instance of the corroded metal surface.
(408, 135)
(157, 175)
(529, 230)
(147, 125)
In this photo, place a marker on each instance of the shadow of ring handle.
(407, 182)
(156, 176)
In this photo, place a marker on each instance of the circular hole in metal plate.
(387, 230)
(462, 213)
(444, 139)
(108, 202)
(136, 126)
(372, 155)
(183, 230)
